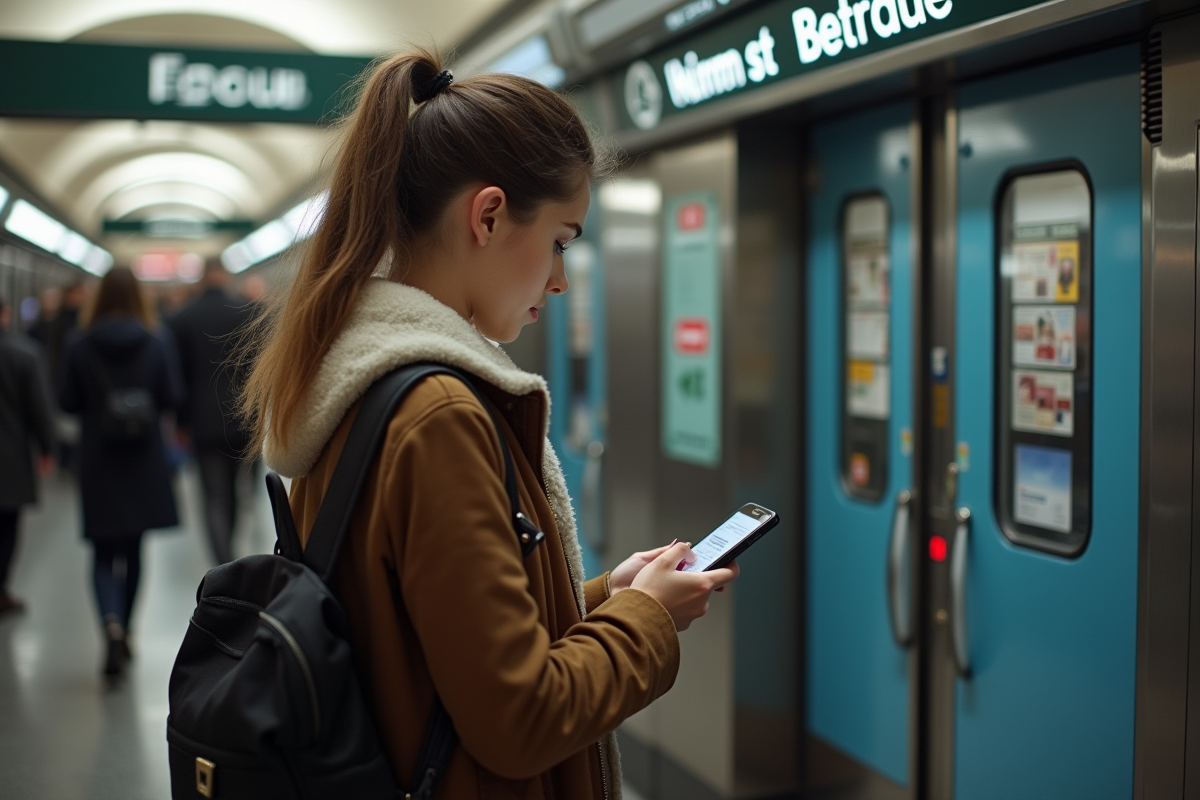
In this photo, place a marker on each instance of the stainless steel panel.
(1168, 429)
(629, 208)
(691, 500)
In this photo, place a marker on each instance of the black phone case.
(732, 555)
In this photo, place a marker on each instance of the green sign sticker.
(49, 79)
(781, 40)
(691, 340)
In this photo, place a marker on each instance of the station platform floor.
(65, 734)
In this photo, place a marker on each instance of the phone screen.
(725, 538)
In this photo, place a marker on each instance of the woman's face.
(526, 264)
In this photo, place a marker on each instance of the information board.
(691, 336)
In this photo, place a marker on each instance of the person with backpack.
(119, 376)
(450, 207)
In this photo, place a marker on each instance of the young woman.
(124, 482)
(449, 211)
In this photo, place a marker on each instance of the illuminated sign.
(123, 82)
(781, 40)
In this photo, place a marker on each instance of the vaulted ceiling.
(124, 169)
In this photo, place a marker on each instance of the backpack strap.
(363, 443)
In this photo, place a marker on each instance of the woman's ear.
(488, 207)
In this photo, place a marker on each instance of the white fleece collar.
(391, 325)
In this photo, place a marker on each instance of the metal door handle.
(958, 592)
(897, 573)
(593, 528)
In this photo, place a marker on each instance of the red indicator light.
(937, 548)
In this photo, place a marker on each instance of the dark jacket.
(24, 419)
(205, 333)
(125, 490)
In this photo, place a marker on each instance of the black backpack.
(129, 415)
(264, 698)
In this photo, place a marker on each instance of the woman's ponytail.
(412, 143)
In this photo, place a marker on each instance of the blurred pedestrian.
(25, 425)
(120, 377)
(49, 303)
(205, 332)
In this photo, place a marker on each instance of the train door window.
(1044, 360)
(866, 380)
(579, 263)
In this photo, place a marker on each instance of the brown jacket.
(437, 592)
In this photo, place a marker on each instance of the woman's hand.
(622, 577)
(683, 594)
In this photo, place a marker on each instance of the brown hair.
(407, 150)
(119, 294)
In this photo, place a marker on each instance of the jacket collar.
(390, 326)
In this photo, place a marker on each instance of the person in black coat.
(125, 484)
(25, 424)
(206, 333)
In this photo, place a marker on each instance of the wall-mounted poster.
(1044, 336)
(868, 279)
(691, 337)
(1044, 402)
(867, 335)
(868, 390)
(1046, 272)
(1042, 485)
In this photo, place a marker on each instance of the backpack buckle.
(204, 776)
(528, 533)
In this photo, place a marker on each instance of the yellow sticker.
(862, 371)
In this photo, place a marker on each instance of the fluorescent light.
(304, 218)
(632, 196)
(36, 226)
(98, 261)
(532, 59)
(3, 197)
(74, 248)
(277, 235)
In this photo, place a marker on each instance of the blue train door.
(1040, 582)
(575, 371)
(859, 432)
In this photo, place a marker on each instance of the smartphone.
(732, 538)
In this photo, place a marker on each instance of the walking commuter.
(119, 376)
(205, 333)
(463, 196)
(25, 426)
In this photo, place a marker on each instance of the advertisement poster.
(868, 279)
(691, 338)
(868, 390)
(1044, 336)
(1044, 402)
(1046, 272)
(867, 335)
(1042, 487)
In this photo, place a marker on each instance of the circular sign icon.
(643, 95)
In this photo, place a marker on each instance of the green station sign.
(779, 40)
(49, 79)
(177, 228)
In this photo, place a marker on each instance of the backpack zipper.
(291, 642)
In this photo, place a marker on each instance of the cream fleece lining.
(393, 325)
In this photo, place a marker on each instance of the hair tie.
(437, 85)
